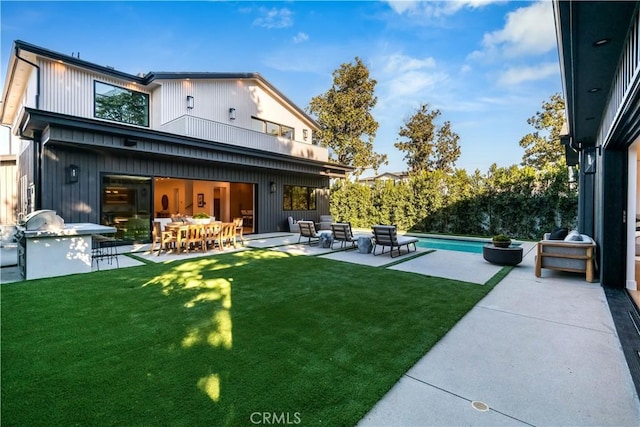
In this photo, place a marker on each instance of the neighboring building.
(598, 45)
(8, 185)
(395, 177)
(99, 145)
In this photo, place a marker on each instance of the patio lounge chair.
(387, 235)
(569, 254)
(308, 230)
(342, 233)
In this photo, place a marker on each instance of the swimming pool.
(451, 244)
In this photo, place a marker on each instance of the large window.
(299, 198)
(126, 205)
(121, 105)
(271, 128)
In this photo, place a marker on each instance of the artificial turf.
(223, 340)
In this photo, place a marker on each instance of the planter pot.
(201, 221)
(501, 244)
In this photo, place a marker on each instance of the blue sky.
(487, 65)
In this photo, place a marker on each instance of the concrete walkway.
(534, 351)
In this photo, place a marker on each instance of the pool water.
(460, 245)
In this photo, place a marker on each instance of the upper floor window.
(271, 128)
(121, 105)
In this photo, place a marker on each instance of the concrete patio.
(534, 351)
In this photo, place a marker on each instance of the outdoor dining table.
(187, 234)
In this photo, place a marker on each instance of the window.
(299, 198)
(272, 128)
(121, 105)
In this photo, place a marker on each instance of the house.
(599, 50)
(103, 146)
(598, 45)
(395, 177)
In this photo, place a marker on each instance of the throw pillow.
(558, 233)
(573, 236)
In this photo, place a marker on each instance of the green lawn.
(212, 341)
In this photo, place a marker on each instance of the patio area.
(534, 351)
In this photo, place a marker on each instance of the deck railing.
(625, 82)
(210, 130)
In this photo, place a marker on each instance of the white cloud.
(274, 18)
(399, 63)
(404, 81)
(435, 9)
(528, 31)
(516, 75)
(300, 37)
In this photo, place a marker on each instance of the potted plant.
(201, 218)
(501, 241)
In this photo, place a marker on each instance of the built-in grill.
(48, 247)
(41, 220)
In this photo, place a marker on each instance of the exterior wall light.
(590, 159)
(232, 113)
(189, 102)
(272, 187)
(73, 173)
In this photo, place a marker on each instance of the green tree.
(427, 146)
(542, 147)
(347, 127)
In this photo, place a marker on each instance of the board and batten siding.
(214, 98)
(69, 90)
(80, 202)
(180, 152)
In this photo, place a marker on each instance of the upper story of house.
(241, 109)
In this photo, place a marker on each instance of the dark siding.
(80, 202)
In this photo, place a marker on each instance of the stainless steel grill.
(42, 220)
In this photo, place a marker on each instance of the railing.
(624, 82)
(221, 132)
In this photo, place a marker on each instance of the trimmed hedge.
(517, 201)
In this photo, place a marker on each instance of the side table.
(364, 245)
(326, 239)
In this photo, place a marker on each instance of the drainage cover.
(480, 406)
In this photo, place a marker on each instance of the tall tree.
(347, 127)
(542, 147)
(427, 146)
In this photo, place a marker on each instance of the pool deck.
(534, 351)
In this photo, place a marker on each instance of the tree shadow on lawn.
(221, 340)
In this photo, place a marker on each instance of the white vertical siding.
(69, 90)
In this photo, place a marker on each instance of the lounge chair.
(387, 235)
(569, 254)
(342, 233)
(308, 230)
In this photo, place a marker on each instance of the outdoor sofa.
(574, 253)
(387, 236)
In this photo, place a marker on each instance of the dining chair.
(239, 225)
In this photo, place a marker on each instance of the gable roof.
(145, 79)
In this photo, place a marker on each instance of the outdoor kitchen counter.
(50, 253)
